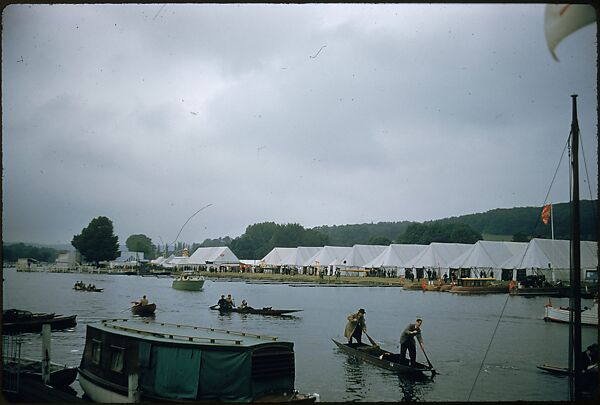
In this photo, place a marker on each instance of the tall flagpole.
(552, 221)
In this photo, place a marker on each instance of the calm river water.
(457, 331)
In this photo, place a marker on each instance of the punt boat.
(135, 360)
(381, 358)
(257, 311)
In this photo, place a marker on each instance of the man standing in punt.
(407, 341)
(355, 326)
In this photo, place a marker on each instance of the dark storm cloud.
(317, 114)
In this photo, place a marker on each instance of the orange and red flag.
(546, 214)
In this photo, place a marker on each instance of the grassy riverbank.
(302, 278)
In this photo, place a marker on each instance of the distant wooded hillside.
(363, 234)
(525, 222)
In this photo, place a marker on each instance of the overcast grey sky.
(311, 114)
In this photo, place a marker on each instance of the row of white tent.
(498, 259)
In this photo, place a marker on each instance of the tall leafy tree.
(97, 241)
(141, 243)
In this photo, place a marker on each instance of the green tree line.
(97, 241)
(527, 221)
(12, 252)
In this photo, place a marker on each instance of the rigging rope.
(488, 348)
(587, 176)
(537, 221)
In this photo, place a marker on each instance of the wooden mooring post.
(46, 353)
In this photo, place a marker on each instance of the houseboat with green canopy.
(137, 360)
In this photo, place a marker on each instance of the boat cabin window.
(116, 358)
(464, 273)
(96, 351)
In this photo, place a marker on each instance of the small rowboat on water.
(60, 375)
(93, 289)
(383, 358)
(257, 311)
(143, 310)
(589, 316)
(20, 321)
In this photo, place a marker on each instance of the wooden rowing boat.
(86, 289)
(143, 310)
(19, 321)
(382, 358)
(257, 311)
(60, 374)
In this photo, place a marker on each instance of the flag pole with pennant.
(547, 215)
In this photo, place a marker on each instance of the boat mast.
(575, 298)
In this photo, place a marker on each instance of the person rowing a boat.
(355, 326)
(143, 301)
(230, 302)
(407, 341)
(222, 303)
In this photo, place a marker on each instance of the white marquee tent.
(437, 256)
(220, 255)
(395, 256)
(552, 258)
(488, 256)
(360, 255)
(278, 256)
(328, 256)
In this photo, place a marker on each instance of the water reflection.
(412, 386)
(361, 377)
(355, 379)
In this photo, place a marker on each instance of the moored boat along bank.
(129, 361)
